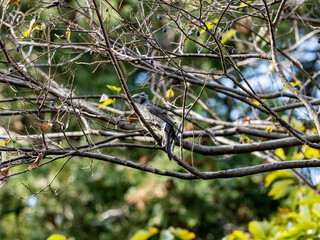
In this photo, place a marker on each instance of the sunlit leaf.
(228, 35)
(280, 153)
(5, 142)
(144, 235)
(209, 25)
(311, 152)
(256, 102)
(281, 188)
(244, 139)
(269, 129)
(11, 2)
(117, 89)
(57, 237)
(182, 234)
(293, 84)
(260, 230)
(238, 235)
(170, 93)
(275, 175)
(107, 102)
(243, 4)
(29, 31)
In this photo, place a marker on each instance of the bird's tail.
(170, 138)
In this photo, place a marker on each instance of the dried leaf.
(5, 142)
(132, 117)
(44, 126)
(65, 36)
(244, 25)
(117, 89)
(169, 93)
(11, 2)
(35, 164)
(107, 102)
(3, 174)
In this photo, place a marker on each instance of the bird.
(158, 120)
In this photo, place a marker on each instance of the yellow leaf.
(280, 153)
(11, 2)
(256, 102)
(311, 152)
(28, 32)
(107, 102)
(144, 235)
(244, 139)
(242, 4)
(209, 25)
(170, 93)
(293, 84)
(57, 237)
(269, 129)
(117, 89)
(68, 33)
(279, 174)
(5, 142)
(182, 234)
(228, 35)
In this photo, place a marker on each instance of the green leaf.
(281, 188)
(260, 230)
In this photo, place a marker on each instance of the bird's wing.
(158, 112)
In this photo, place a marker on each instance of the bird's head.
(139, 98)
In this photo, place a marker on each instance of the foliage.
(238, 78)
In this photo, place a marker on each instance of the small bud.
(198, 33)
(11, 69)
(164, 29)
(233, 51)
(52, 103)
(159, 17)
(91, 52)
(151, 61)
(36, 17)
(107, 10)
(229, 28)
(136, 37)
(190, 33)
(220, 38)
(17, 49)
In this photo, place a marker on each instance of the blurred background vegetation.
(97, 200)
